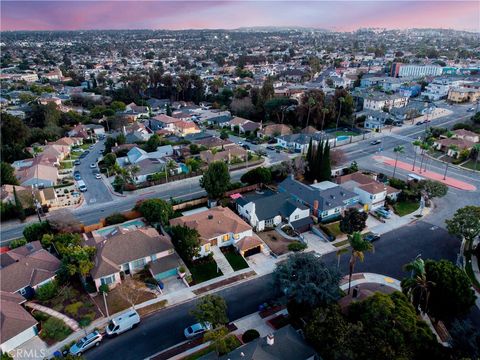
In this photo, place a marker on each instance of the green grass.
(232, 341)
(403, 208)
(334, 228)
(236, 261)
(204, 271)
(341, 243)
(470, 164)
(66, 164)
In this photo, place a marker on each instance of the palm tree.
(359, 247)
(339, 254)
(417, 287)
(324, 112)
(424, 146)
(415, 144)
(341, 100)
(311, 103)
(397, 150)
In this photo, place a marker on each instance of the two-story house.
(326, 200)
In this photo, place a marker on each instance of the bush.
(47, 291)
(250, 335)
(55, 329)
(115, 218)
(72, 309)
(434, 188)
(296, 246)
(36, 231)
(104, 288)
(17, 243)
(397, 183)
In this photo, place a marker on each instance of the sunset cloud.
(336, 15)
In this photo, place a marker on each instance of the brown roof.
(28, 265)
(230, 152)
(250, 126)
(280, 129)
(357, 177)
(40, 171)
(166, 119)
(128, 245)
(461, 143)
(213, 141)
(213, 222)
(238, 121)
(392, 190)
(249, 242)
(373, 188)
(463, 132)
(165, 263)
(14, 319)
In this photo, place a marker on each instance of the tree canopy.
(353, 220)
(305, 279)
(465, 223)
(186, 241)
(216, 179)
(7, 174)
(211, 309)
(155, 211)
(259, 175)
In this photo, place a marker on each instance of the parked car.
(420, 123)
(371, 237)
(376, 142)
(122, 323)
(196, 329)
(271, 148)
(471, 109)
(246, 147)
(85, 343)
(76, 162)
(383, 213)
(81, 186)
(76, 175)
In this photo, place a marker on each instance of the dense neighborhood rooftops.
(213, 222)
(28, 265)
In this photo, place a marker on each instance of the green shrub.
(40, 316)
(250, 335)
(47, 291)
(87, 319)
(296, 246)
(72, 309)
(115, 218)
(17, 243)
(55, 329)
(397, 183)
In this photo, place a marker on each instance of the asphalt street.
(165, 328)
(97, 191)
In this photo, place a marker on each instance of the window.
(207, 247)
(107, 280)
(225, 237)
(236, 236)
(138, 263)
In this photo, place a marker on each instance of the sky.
(227, 14)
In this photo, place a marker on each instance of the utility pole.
(105, 301)
(445, 174)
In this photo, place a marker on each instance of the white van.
(122, 323)
(81, 186)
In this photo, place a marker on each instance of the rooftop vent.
(210, 216)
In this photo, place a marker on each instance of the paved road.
(165, 328)
(97, 191)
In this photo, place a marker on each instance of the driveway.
(97, 192)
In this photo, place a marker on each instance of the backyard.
(276, 242)
(237, 262)
(403, 208)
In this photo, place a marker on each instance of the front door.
(213, 242)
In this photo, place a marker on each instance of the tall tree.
(309, 173)
(211, 309)
(216, 179)
(186, 241)
(359, 247)
(397, 150)
(18, 206)
(465, 223)
(155, 211)
(326, 167)
(353, 220)
(7, 174)
(417, 287)
(318, 161)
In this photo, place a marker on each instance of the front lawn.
(403, 208)
(470, 164)
(344, 133)
(52, 329)
(237, 262)
(231, 342)
(66, 164)
(203, 270)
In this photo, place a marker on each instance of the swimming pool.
(132, 225)
(342, 137)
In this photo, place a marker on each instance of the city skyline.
(331, 15)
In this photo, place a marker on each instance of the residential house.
(230, 154)
(466, 135)
(274, 130)
(217, 226)
(79, 131)
(97, 130)
(464, 94)
(68, 141)
(125, 251)
(17, 326)
(236, 121)
(372, 194)
(453, 146)
(214, 143)
(283, 344)
(249, 127)
(294, 75)
(326, 199)
(375, 100)
(137, 154)
(269, 210)
(183, 128)
(26, 268)
(33, 172)
(376, 120)
(298, 142)
(439, 88)
(142, 111)
(164, 122)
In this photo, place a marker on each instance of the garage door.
(165, 274)
(252, 251)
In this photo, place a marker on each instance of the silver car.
(85, 343)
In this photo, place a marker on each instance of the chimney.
(210, 216)
(270, 339)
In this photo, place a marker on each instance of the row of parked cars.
(125, 322)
